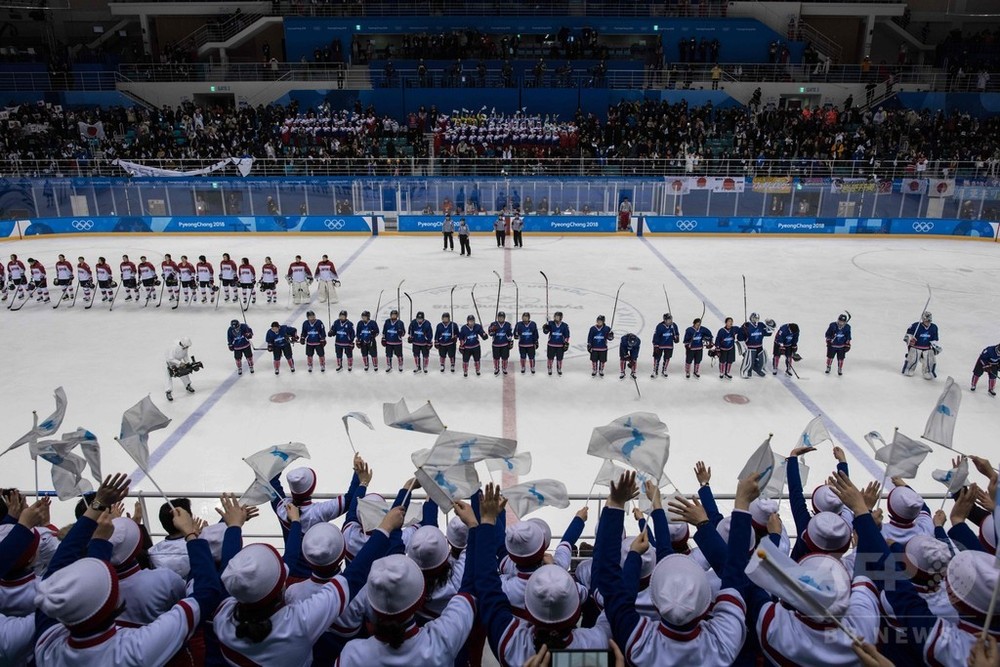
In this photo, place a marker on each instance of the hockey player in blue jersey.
(664, 337)
(503, 338)
(988, 362)
(628, 354)
(751, 335)
(922, 343)
(342, 333)
(786, 344)
(366, 334)
(838, 342)
(597, 345)
(313, 336)
(468, 343)
(526, 335)
(279, 342)
(696, 339)
(446, 340)
(725, 348)
(239, 336)
(558, 332)
(421, 337)
(393, 332)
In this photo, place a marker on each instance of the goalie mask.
(926, 317)
(754, 318)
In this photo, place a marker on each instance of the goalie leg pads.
(910, 364)
(930, 364)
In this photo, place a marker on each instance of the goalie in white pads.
(922, 344)
(751, 336)
(299, 277)
(329, 281)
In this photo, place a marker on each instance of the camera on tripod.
(192, 366)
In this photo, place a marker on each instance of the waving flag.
(814, 433)
(67, 474)
(372, 509)
(271, 462)
(258, 493)
(137, 423)
(520, 464)
(940, 427)
(446, 485)
(422, 420)
(524, 499)
(454, 447)
(361, 417)
(49, 426)
(902, 457)
(776, 485)
(873, 437)
(91, 449)
(639, 439)
(609, 472)
(954, 478)
(762, 461)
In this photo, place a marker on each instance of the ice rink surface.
(106, 361)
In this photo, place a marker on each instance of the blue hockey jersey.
(313, 333)
(366, 332)
(838, 337)
(753, 334)
(923, 335)
(393, 331)
(785, 337)
(283, 337)
(697, 339)
(598, 337)
(502, 334)
(342, 332)
(526, 334)
(469, 336)
(558, 334)
(446, 334)
(239, 337)
(725, 339)
(420, 333)
(666, 335)
(629, 347)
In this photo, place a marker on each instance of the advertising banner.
(532, 223)
(193, 224)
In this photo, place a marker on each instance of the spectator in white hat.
(21, 554)
(563, 554)
(553, 600)
(256, 626)
(908, 515)
(78, 601)
(302, 484)
(826, 533)
(145, 594)
(687, 632)
(429, 549)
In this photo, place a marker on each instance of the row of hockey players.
(180, 279)
(448, 338)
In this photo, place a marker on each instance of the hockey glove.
(409, 340)
(611, 335)
(546, 328)
(847, 346)
(384, 344)
(566, 346)
(494, 329)
(336, 283)
(936, 348)
(588, 349)
(270, 348)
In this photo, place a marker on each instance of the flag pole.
(38, 489)
(349, 440)
(409, 490)
(989, 612)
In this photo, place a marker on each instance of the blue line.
(866, 460)
(192, 420)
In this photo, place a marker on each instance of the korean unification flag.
(361, 417)
(954, 478)
(454, 447)
(940, 427)
(814, 433)
(137, 423)
(609, 472)
(266, 465)
(67, 474)
(762, 461)
(523, 499)
(639, 439)
(902, 457)
(91, 449)
(372, 509)
(47, 427)
(422, 420)
(519, 464)
(446, 485)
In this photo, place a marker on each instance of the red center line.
(509, 389)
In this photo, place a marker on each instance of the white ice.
(109, 360)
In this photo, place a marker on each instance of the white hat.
(827, 532)
(546, 530)
(828, 572)
(679, 534)
(761, 510)
(457, 533)
(302, 482)
(525, 542)
(680, 590)
(323, 545)
(428, 548)
(648, 558)
(551, 596)
(126, 540)
(395, 586)
(723, 530)
(929, 557)
(28, 555)
(904, 504)
(583, 570)
(256, 575)
(988, 535)
(825, 500)
(214, 534)
(971, 577)
(82, 596)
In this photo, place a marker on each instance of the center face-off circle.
(735, 399)
(282, 397)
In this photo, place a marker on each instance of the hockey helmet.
(696, 321)
(927, 316)
(842, 317)
(365, 313)
(525, 314)
(558, 315)
(793, 327)
(310, 313)
(234, 323)
(445, 316)
(667, 317)
(600, 318)
(275, 324)
(185, 342)
(470, 318)
(343, 313)
(393, 312)
(754, 318)
(502, 314)
(420, 314)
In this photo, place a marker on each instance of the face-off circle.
(736, 399)
(569, 300)
(282, 397)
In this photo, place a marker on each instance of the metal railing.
(622, 8)
(219, 32)
(553, 166)
(44, 81)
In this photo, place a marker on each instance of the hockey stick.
(744, 298)
(22, 294)
(75, 293)
(163, 287)
(702, 318)
(546, 295)
(517, 300)
(479, 317)
(451, 302)
(614, 308)
(378, 303)
(665, 296)
(329, 313)
(397, 293)
(243, 312)
(636, 382)
(496, 314)
(62, 296)
(288, 303)
(13, 297)
(112, 306)
(410, 300)
(215, 295)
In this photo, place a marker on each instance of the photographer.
(180, 365)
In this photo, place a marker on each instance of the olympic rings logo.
(686, 225)
(334, 224)
(923, 227)
(83, 225)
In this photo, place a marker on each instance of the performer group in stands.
(186, 282)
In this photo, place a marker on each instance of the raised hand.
(838, 454)
(640, 544)
(653, 494)
(292, 511)
(799, 451)
(702, 473)
(491, 504)
(624, 491)
(15, 502)
(747, 491)
(105, 527)
(393, 520)
(185, 523)
(232, 512)
(113, 489)
(36, 515)
(583, 512)
(963, 504)
(464, 511)
(690, 511)
(774, 524)
(872, 493)
(849, 494)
